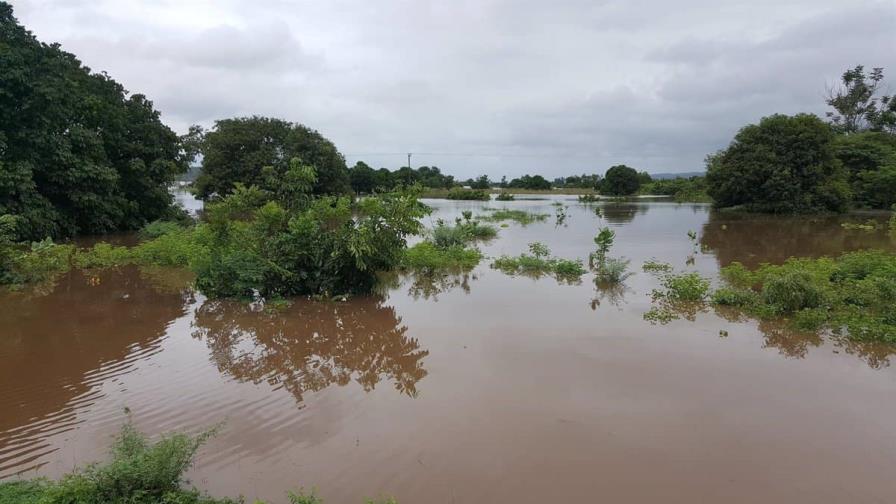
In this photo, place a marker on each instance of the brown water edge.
(473, 388)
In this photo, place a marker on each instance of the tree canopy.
(857, 104)
(238, 150)
(621, 180)
(783, 164)
(78, 153)
(536, 182)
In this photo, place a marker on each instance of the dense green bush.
(459, 193)
(792, 291)
(692, 189)
(783, 164)
(869, 159)
(78, 153)
(620, 180)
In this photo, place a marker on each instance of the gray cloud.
(474, 86)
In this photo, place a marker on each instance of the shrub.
(620, 180)
(728, 296)
(426, 255)
(686, 287)
(539, 262)
(613, 271)
(459, 193)
(518, 216)
(793, 291)
(158, 228)
(504, 196)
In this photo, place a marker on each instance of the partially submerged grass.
(538, 262)
(519, 216)
(428, 256)
(504, 196)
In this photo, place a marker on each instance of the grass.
(504, 196)
(538, 262)
(428, 256)
(138, 472)
(519, 216)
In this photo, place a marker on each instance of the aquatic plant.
(684, 287)
(588, 198)
(613, 271)
(459, 193)
(654, 266)
(428, 256)
(504, 196)
(461, 233)
(604, 240)
(854, 294)
(539, 262)
(868, 225)
(561, 215)
(519, 216)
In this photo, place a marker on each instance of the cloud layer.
(483, 86)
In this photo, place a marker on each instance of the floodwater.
(471, 388)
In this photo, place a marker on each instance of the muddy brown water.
(474, 387)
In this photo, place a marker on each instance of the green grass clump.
(461, 233)
(731, 296)
(538, 262)
(685, 287)
(428, 256)
(504, 196)
(612, 270)
(518, 216)
(459, 193)
(103, 255)
(793, 291)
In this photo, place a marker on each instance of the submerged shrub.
(729, 296)
(518, 216)
(505, 196)
(793, 291)
(613, 271)
(427, 255)
(539, 262)
(459, 193)
(158, 228)
(686, 287)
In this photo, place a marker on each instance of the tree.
(783, 164)
(78, 153)
(857, 106)
(620, 180)
(533, 182)
(236, 151)
(481, 183)
(869, 159)
(362, 178)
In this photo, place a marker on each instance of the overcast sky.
(482, 86)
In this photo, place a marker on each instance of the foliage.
(857, 106)
(588, 198)
(869, 159)
(260, 151)
(854, 293)
(533, 182)
(78, 153)
(481, 183)
(620, 180)
(582, 181)
(604, 240)
(539, 262)
(613, 271)
(428, 256)
(783, 164)
(139, 472)
(519, 216)
(504, 196)
(459, 193)
(366, 180)
(158, 228)
(462, 233)
(692, 189)
(684, 287)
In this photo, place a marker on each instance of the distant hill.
(678, 175)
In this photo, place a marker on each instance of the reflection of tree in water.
(312, 345)
(57, 344)
(612, 293)
(753, 239)
(621, 212)
(426, 284)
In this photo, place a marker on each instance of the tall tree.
(78, 153)
(620, 180)
(783, 164)
(857, 106)
(238, 150)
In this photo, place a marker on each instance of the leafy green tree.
(783, 164)
(362, 178)
(481, 183)
(857, 106)
(534, 182)
(78, 153)
(620, 180)
(237, 150)
(870, 162)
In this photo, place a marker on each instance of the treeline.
(803, 163)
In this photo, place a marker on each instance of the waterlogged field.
(477, 386)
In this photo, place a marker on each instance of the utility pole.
(409, 160)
